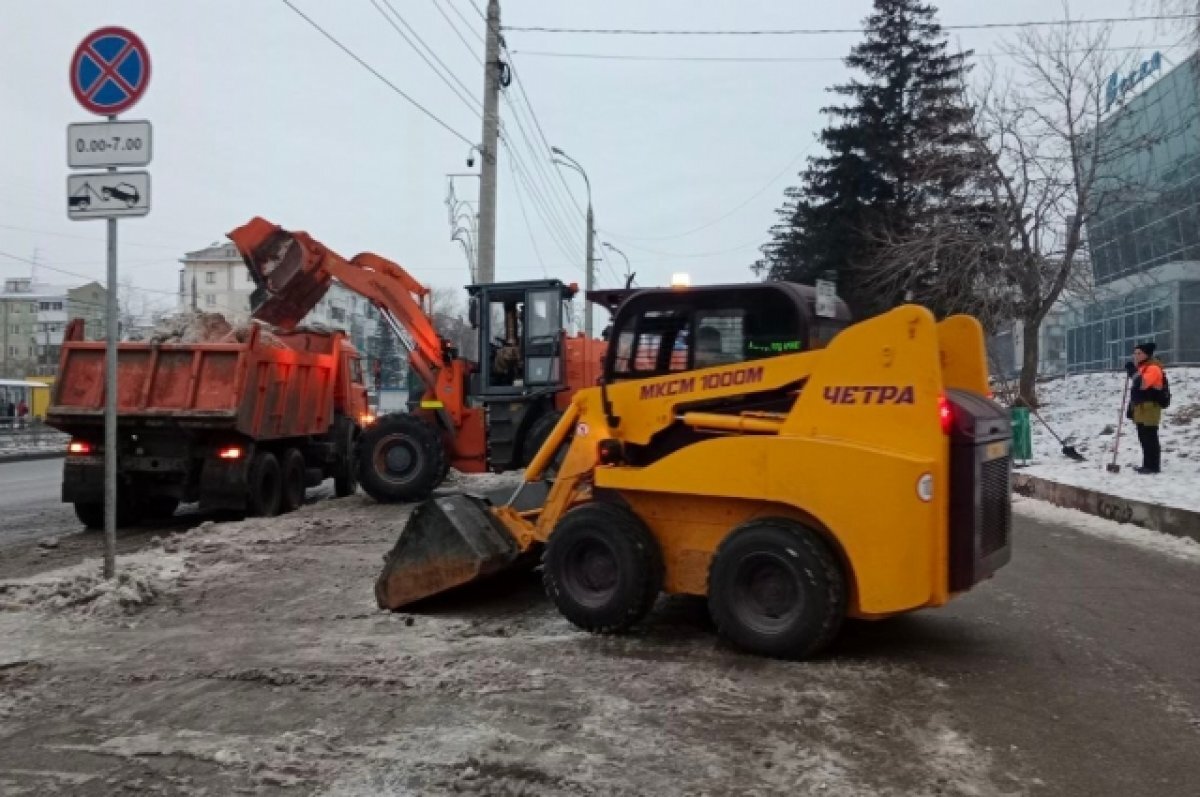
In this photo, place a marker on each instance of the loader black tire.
(345, 471)
(401, 458)
(776, 589)
(602, 568)
(264, 486)
(539, 430)
(295, 478)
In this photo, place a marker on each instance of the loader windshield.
(668, 332)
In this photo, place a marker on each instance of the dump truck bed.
(267, 387)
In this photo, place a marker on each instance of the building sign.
(1118, 86)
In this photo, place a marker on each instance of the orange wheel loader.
(724, 455)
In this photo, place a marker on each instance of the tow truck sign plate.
(92, 145)
(108, 195)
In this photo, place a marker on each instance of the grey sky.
(255, 113)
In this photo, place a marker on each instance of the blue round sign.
(110, 70)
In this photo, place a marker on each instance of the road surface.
(30, 502)
(39, 532)
(267, 669)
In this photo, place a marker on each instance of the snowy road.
(30, 506)
(266, 669)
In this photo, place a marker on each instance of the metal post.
(110, 408)
(489, 147)
(590, 268)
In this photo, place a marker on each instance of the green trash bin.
(1022, 432)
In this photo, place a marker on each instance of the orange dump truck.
(244, 425)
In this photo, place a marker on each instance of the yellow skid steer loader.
(726, 455)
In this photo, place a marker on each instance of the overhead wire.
(399, 91)
(757, 59)
(466, 22)
(557, 234)
(69, 273)
(830, 31)
(460, 90)
(470, 47)
(525, 215)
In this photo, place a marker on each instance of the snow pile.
(1177, 547)
(141, 580)
(193, 327)
(1084, 409)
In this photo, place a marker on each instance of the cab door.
(543, 338)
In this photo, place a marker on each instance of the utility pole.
(489, 148)
(589, 274)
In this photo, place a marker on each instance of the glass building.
(1144, 229)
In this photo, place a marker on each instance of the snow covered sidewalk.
(1084, 411)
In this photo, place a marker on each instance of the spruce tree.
(896, 150)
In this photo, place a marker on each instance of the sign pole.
(111, 338)
(109, 73)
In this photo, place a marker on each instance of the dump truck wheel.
(293, 467)
(602, 568)
(90, 514)
(401, 458)
(345, 473)
(160, 507)
(264, 486)
(776, 589)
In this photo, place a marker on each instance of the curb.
(1168, 520)
(30, 456)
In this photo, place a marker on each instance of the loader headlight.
(925, 487)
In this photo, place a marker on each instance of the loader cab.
(520, 333)
(664, 330)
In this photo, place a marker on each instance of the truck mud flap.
(448, 541)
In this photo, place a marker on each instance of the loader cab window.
(356, 372)
(665, 333)
(523, 331)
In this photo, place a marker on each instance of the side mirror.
(473, 312)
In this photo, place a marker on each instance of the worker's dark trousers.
(1151, 453)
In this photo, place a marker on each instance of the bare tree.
(1046, 165)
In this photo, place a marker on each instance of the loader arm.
(293, 272)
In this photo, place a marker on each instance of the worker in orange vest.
(1148, 397)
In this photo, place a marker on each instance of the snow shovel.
(1113, 467)
(1069, 452)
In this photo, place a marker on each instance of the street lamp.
(588, 261)
(628, 270)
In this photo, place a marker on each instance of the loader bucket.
(447, 542)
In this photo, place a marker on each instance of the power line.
(525, 215)
(377, 74)
(458, 33)
(828, 31)
(84, 237)
(466, 22)
(478, 10)
(557, 233)
(48, 267)
(538, 125)
(762, 59)
(467, 98)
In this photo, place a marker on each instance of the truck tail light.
(230, 452)
(79, 447)
(366, 419)
(945, 413)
